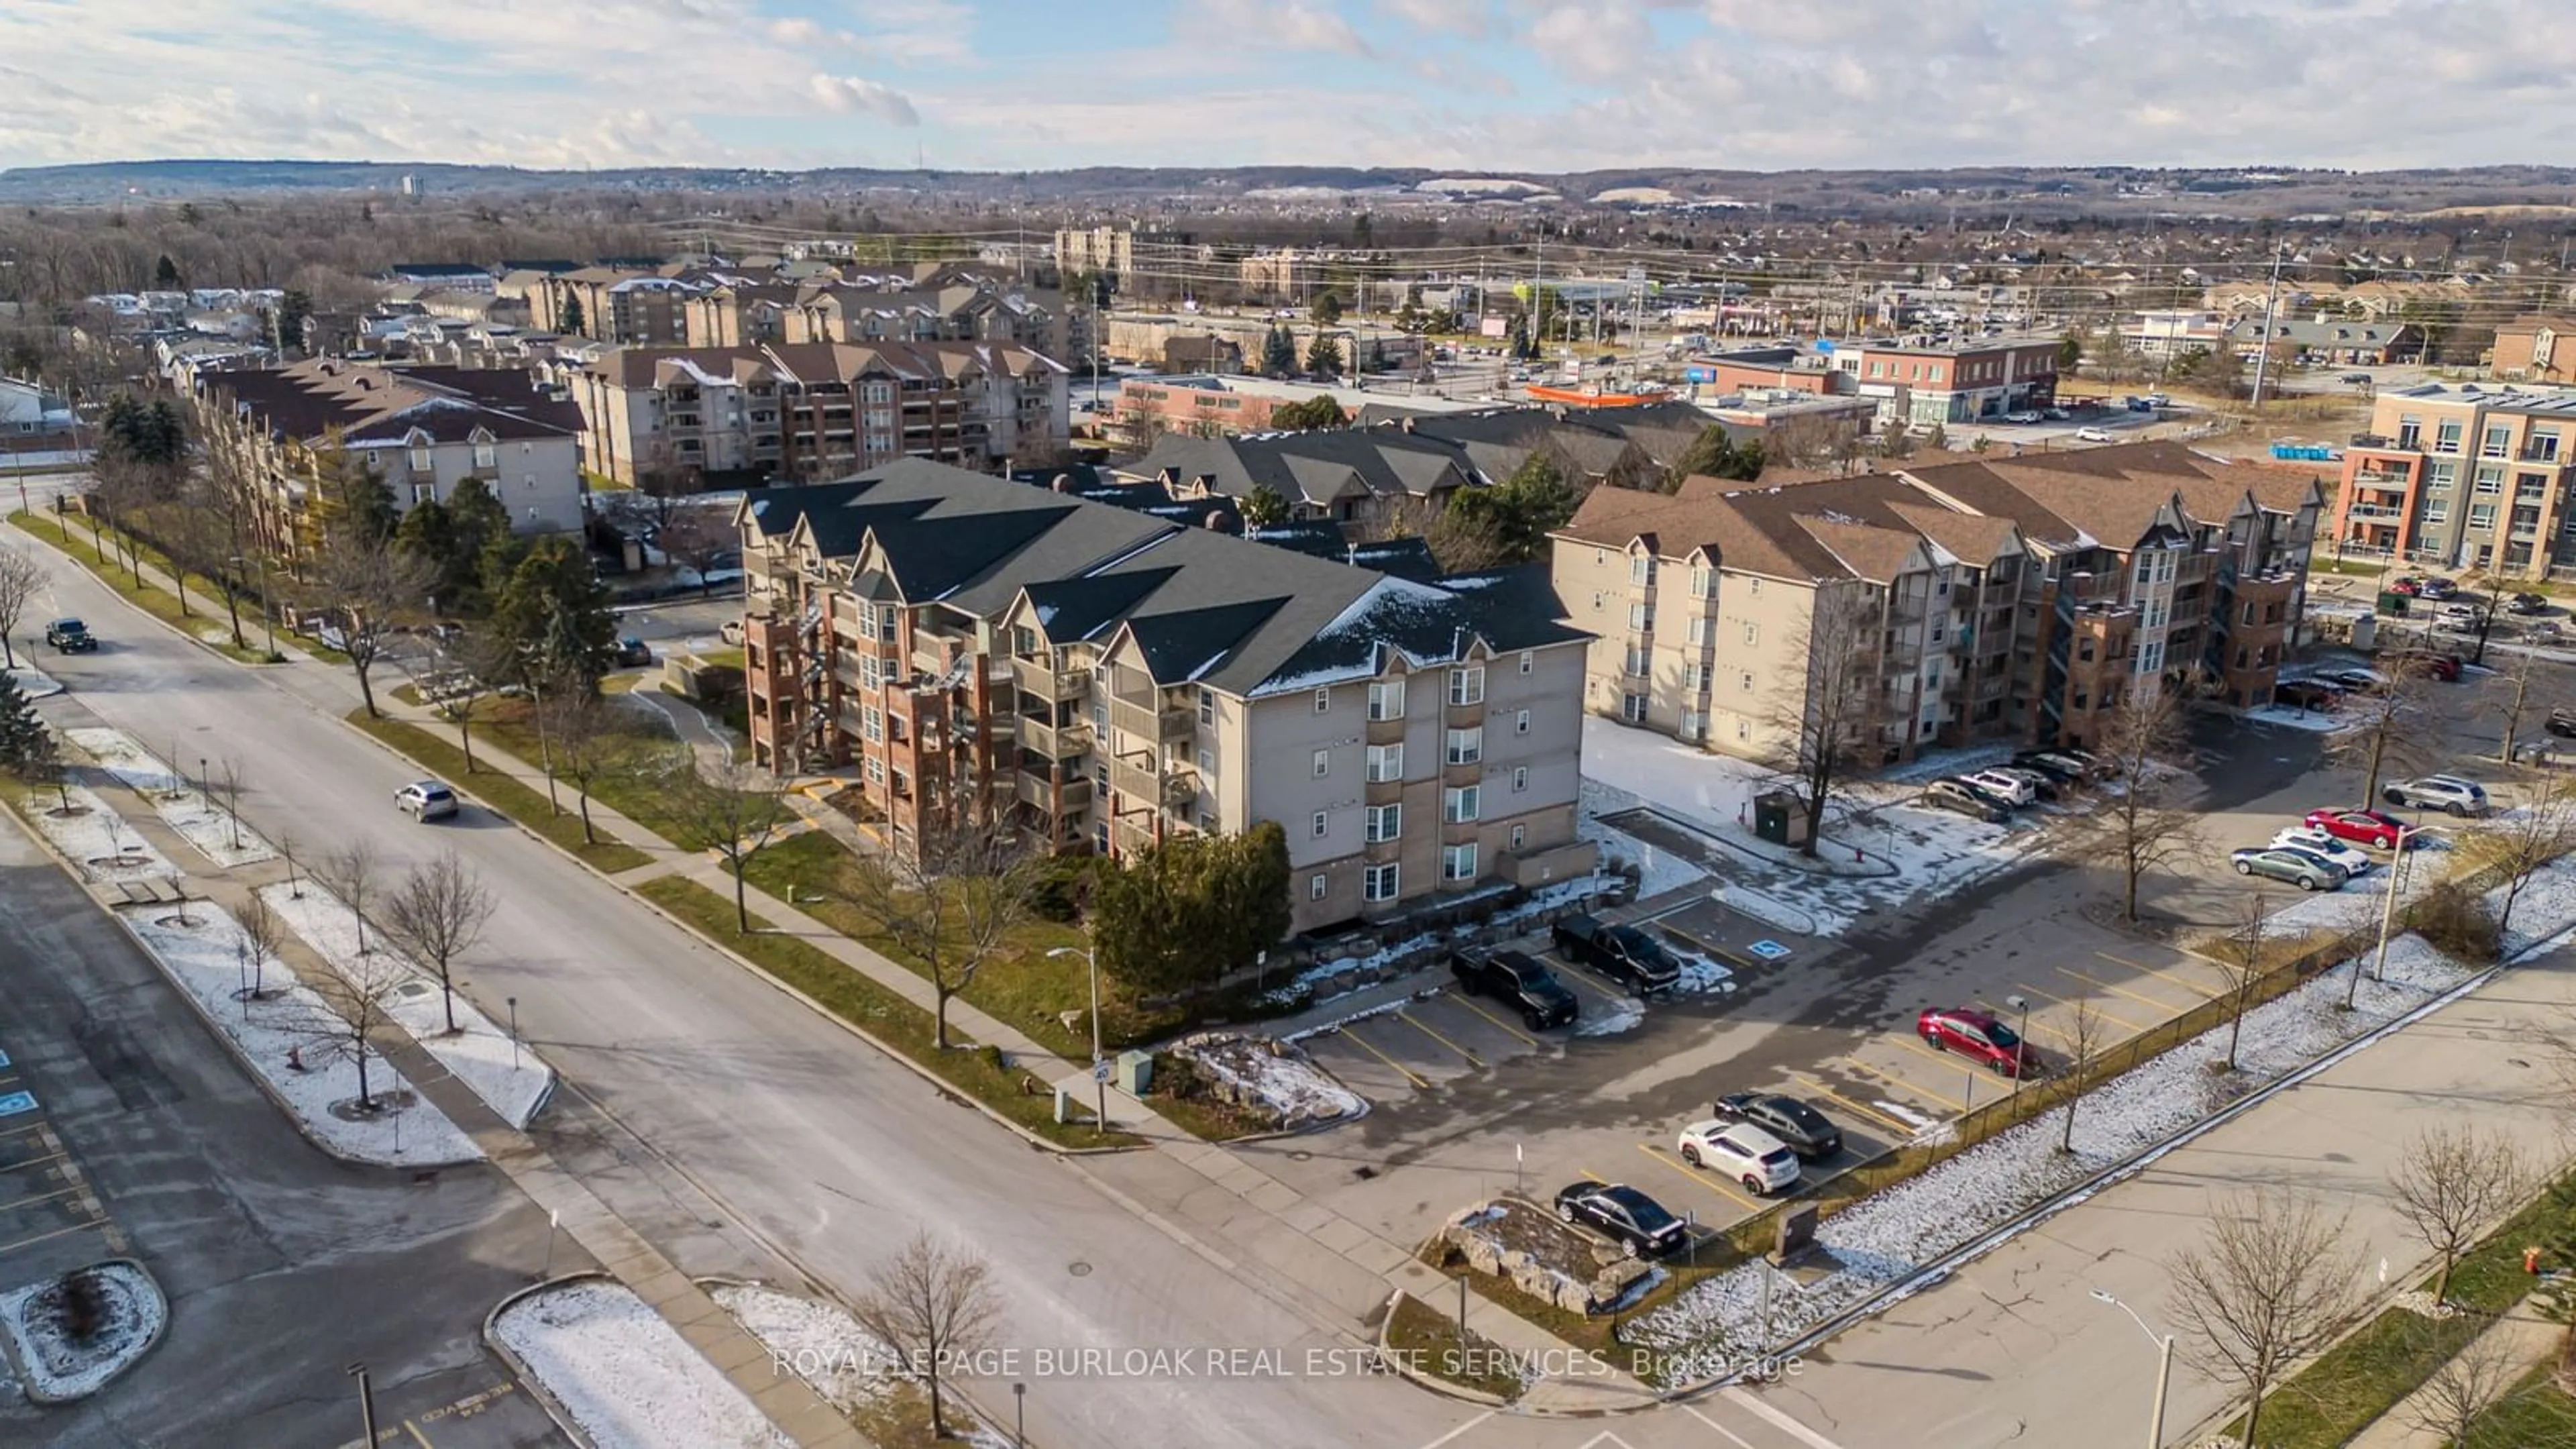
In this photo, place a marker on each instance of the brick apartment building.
(946, 641)
(620, 307)
(2008, 600)
(809, 411)
(2464, 475)
(1928, 382)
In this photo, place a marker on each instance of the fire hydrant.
(295, 1062)
(2531, 1260)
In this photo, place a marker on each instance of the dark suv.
(1622, 953)
(1803, 1128)
(1518, 982)
(70, 636)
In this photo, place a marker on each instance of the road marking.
(417, 1436)
(1731, 1436)
(1410, 1020)
(1703, 1179)
(1907, 1083)
(2098, 1008)
(35, 1161)
(2194, 987)
(1575, 974)
(1884, 1118)
(1989, 1008)
(1353, 1037)
(1508, 1029)
(1778, 1420)
(1461, 1429)
(2166, 1007)
(41, 1237)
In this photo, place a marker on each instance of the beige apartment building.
(621, 308)
(1109, 249)
(945, 641)
(2535, 349)
(2465, 476)
(2007, 600)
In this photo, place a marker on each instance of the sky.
(1538, 85)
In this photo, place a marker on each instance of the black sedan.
(1622, 1212)
(1806, 1130)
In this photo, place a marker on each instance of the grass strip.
(158, 602)
(504, 794)
(1431, 1342)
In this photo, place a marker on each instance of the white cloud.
(1457, 17)
(851, 93)
(1293, 25)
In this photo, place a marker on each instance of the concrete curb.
(26, 1384)
(110, 584)
(518, 1367)
(1432, 1383)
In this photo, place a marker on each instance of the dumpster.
(1780, 817)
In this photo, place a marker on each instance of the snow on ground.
(849, 1366)
(35, 683)
(1699, 973)
(1277, 1075)
(201, 952)
(2363, 900)
(625, 1375)
(182, 806)
(1621, 1015)
(2294, 719)
(1659, 870)
(93, 837)
(131, 1318)
(510, 1079)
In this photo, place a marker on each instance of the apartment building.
(1104, 249)
(1929, 381)
(422, 430)
(738, 313)
(946, 641)
(809, 411)
(2007, 600)
(1282, 275)
(621, 307)
(2465, 475)
(1374, 480)
(960, 312)
(2535, 349)
(2327, 339)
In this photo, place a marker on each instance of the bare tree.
(698, 538)
(354, 873)
(582, 739)
(2240, 960)
(287, 846)
(368, 588)
(950, 903)
(2145, 740)
(2450, 1183)
(2467, 1387)
(461, 675)
(2516, 681)
(734, 811)
(354, 1010)
(224, 783)
(21, 579)
(932, 1303)
(2271, 1281)
(2088, 1031)
(263, 936)
(438, 913)
(1823, 721)
(2390, 729)
(2542, 830)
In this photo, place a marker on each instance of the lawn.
(1432, 1343)
(505, 795)
(978, 1072)
(2535, 1415)
(623, 784)
(158, 602)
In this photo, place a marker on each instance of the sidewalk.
(2521, 1338)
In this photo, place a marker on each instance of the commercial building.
(949, 643)
(1930, 381)
(2004, 600)
(2328, 340)
(2465, 476)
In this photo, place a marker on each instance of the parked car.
(2438, 587)
(2318, 843)
(731, 633)
(2362, 827)
(2011, 789)
(1958, 799)
(2546, 753)
(1625, 954)
(2561, 722)
(1978, 1037)
(1623, 1213)
(633, 653)
(2284, 863)
(2023, 416)
(70, 636)
(2055, 766)
(1740, 1150)
(2092, 435)
(426, 800)
(1809, 1133)
(2460, 613)
(1990, 795)
(2356, 681)
(2407, 584)
(2313, 694)
(2444, 667)
(2056, 415)
(2527, 604)
(2355, 379)
(2042, 784)
(1518, 982)
(2439, 792)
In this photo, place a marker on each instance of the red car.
(2406, 584)
(2444, 667)
(2362, 827)
(1978, 1037)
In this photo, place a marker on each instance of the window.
(1207, 706)
(1529, 660)
(1461, 805)
(1458, 862)
(2490, 480)
(1323, 763)
(872, 724)
(1743, 728)
(1697, 633)
(2499, 438)
(1520, 778)
(1466, 747)
(1636, 661)
(1641, 568)
(1520, 723)
(2437, 511)
(2542, 446)
(1323, 822)
(1380, 882)
(876, 771)
(2530, 486)
(1692, 725)
(486, 456)
(1467, 684)
(2439, 477)
(1383, 823)
(1207, 763)
(1752, 635)
(1632, 708)
(2410, 432)
(2482, 515)
(1703, 579)
(1324, 699)
(1386, 699)
(423, 460)
(1640, 617)
(423, 492)
(1385, 762)
(1316, 885)
(1520, 833)
(2446, 437)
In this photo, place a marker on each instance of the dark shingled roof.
(1082, 608)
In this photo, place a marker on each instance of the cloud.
(1294, 25)
(1455, 17)
(852, 93)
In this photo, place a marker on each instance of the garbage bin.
(1780, 817)
(1135, 1073)
(2392, 602)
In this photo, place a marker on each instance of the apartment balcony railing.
(2530, 454)
(1152, 722)
(2378, 478)
(1055, 741)
(1139, 780)
(1037, 790)
(2372, 510)
(1040, 677)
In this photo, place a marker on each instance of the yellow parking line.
(1364, 1044)
(1574, 975)
(417, 1436)
(1954, 1063)
(2167, 1007)
(41, 1237)
(1885, 1119)
(2098, 1008)
(1507, 1027)
(1410, 1020)
(1990, 1009)
(2194, 987)
(1702, 1178)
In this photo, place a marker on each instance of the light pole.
(2387, 914)
(366, 1400)
(514, 1033)
(2164, 1368)
(1019, 1416)
(2021, 1039)
(1099, 1076)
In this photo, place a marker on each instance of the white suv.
(1762, 1162)
(2439, 792)
(2011, 787)
(426, 800)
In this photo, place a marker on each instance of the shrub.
(1063, 885)
(2456, 922)
(82, 1309)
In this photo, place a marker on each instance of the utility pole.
(2271, 296)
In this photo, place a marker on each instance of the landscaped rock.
(1549, 1260)
(1273, 1078)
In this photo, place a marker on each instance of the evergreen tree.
(1278, 352)
(165, 276)
(1328, 308)
(553, 605)
(286, 324)
(1263, 507)
(1512, 519)
(1324, 355)
(23, 736)
(1713, 454)
(570, 317)
(350, 501)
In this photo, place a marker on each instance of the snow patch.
(1624, 1014)
(1659, 871)
(625, 1375)
(132, 1313)
(35, 683)
(93, 837)
(2294, 719)
(216, 835)
(848, 1366)
(1277, 1076)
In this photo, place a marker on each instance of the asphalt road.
(282, 1265)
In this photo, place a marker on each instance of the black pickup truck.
(1622, 953)
(1518, 982)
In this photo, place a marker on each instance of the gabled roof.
(368, 403)
(1317, 467)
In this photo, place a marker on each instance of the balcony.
(2379, 478)
(1131, 834)
(1055, 741)
(1138, 781)
(1152, 722)
(1040, 677)
(1037, 790)
(2374, 511)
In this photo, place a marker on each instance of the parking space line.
(1575, 974)
(1409, 1019)
(1684, 1169)
(34, 1161)
(2098, 1008)
(417, 1436)
(1364, 1044)
(56, 1233)
(1886, 1119)
(1990, 1009)
(1507, 1028)
(2194, 987)
(1953, 1063)
(2166, 1007)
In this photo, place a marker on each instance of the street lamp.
(2164, 1368)
(514, 1033)
(1019, 1416)
(2387, 914)
(2021, 1040)
(1099, 1069)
